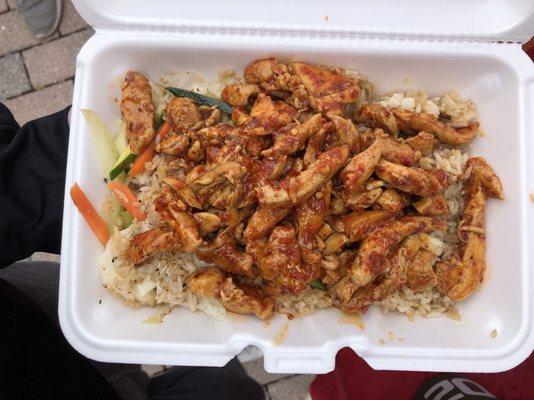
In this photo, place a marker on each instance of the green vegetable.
(122, 164)
(201, 99)
(127, 219)
(158, 121)
(112, 211)
(317, 284)
(105, 145)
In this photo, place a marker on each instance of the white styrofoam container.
(436, 46)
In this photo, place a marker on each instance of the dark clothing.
(33, 160)
(36, 361)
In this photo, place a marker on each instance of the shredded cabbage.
(105, 145)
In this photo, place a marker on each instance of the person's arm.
(33, 160)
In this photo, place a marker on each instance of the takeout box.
(473, 47)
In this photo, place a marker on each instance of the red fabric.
(354, 379)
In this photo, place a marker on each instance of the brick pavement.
(36, 79)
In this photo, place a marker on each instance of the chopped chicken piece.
(421, 182)
(357, 225)
(137, 111)
(281, 263)
(361, 200)
(310, 218)
(392, 200)
(224, 253)
(411, 121)
(173, 145)
(459, 278)
(238, 94)
(383, 285)
(186, 231)
(327, 90)
(292, 137)
(153, 241)
(266, 116)
(345, 132)
(432, 205)
(295, 190)
(397, 152)
(241, 298)
(420, 274)
(207, 222)
(359, 169)
(265, 73)
(168, 202)
(206, 281)
(183, 113)
(263, 220)
(375, 247)
(423, 142)
(228, 172)
(334, 243)
(245, 298)
(184, 191)
(378, 116)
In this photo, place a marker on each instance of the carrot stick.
(127, 198)
(138, 167)
(92, 217)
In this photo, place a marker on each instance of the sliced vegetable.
(121, 139)
(105, 145)
(127, 219)
(317, 284)
(158, 121)
(95, 221)
(147, 155)
(127, 198)
(201, 99)
(122, 164)
(112, 210)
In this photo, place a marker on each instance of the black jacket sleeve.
(33, 160)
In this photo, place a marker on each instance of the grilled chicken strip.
(357, 225)
(378, 116)
(432, 205)
(397, 152)
(411, 121)
(183, 113)
(359, 169)
(392, 200)
(423, 142)
(413, 180)
(154, 241)
(375, 247)
(224, 253)
(173, 145)
(137, 111)
(295, 190)
(280, 263)
(238, 94)
(420, 274)
(266, 115)
(310, 218)
(459, 278)
(327, 90)
(292, 137)
(241, 298)
(392, 280)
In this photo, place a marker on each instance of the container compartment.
(495, 77)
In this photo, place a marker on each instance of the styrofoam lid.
(496, 20)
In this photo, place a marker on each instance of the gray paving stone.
(54, 61)
(256, 370)
(3, 6)
(42, 102)
(294, 388)
(71, 20)
(13, 78)
(13, 34)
